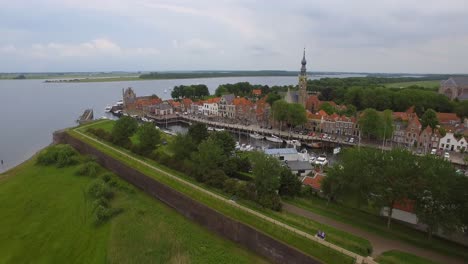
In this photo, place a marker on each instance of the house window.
(448, 140)
(442, 145)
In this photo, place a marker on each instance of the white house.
(299, 167)
(450, 143)
(287, 154)
(210, 107)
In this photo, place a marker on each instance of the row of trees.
(291, 113)
(195, 91)
(240, 89)
(384, 179)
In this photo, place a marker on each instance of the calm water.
(30, 110)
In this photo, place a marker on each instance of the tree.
(387, 120)
(462, 110)
(267, 173)
(328, 108)
(225, 140)
(296, 115)
(436, 204)
(182, 146)
(198, 132)
(429, 118)
(371, 123)
(209, 157)
(123, 129)
(272, 98)
(148, 137)
(289, 183)
(280, 111)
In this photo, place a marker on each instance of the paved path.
(226, 201)
(380, 244)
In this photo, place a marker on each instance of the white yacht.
(256, 135)
(219, 129)
(294, 142)
(274, 138)
(321, 160)
(210, 129)
(108, 109)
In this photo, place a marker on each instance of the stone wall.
(238, 232)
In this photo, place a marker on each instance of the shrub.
(230, 185)
(215, 178)
(100, 133)
(89, 168)
(271, 201)
(102, 213)
(61, 155)
(106, 177)
(98, 189)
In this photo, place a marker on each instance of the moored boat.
(294, 142)
(108, 109)
(274, 138)
(256, 136)
(336, 150)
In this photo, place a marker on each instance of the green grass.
(306, 245)
(426, 84)
(398, 257)
(46, 218)
(377, 225)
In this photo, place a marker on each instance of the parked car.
(433, 151)
(446, 155)
(351, 140)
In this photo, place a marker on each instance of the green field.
(398, 257)
(426, 84)
(306, 245)
(377, 225)
(46, 218)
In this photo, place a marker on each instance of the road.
(380, 244)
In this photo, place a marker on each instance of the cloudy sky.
(423, 36)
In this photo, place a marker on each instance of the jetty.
(86, 117)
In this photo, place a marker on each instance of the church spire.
(303, 62)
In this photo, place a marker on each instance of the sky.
(412, 36)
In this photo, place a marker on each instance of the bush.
(230, 185)
(102, 213)
(100, 133)
(89, 168)
(98, 189)
(271, 201)
(215, 178)
(61, 155)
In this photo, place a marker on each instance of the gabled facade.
(450, 143)
(210, 107)
(429, 139)
(225, 108)
(455, 88)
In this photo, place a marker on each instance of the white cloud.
(100, 47)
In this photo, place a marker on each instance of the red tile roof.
(404, 205)
(445, 118)
(257, 92)
(147, 101)
(241, 101)
(314, 182)
(212, 100)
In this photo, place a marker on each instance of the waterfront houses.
(226, 108)
(333, 124)
(210, 107)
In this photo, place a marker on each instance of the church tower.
(303, 82)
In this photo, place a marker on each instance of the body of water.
(30, 110)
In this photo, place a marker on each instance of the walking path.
(359, 258)
(380, 244)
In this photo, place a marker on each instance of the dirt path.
(380, 244)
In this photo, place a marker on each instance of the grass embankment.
(304, 244)
(426, 84)
(348, 241)
(398, 257)
(377, 225)
(46, 218)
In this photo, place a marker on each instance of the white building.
(450, 143)
(287, 154)
(210, 107)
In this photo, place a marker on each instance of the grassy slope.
(46, 219)
(398, 257)
(343, 239)
(377, 225)
(426, 84)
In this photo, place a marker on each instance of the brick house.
(226, 108)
